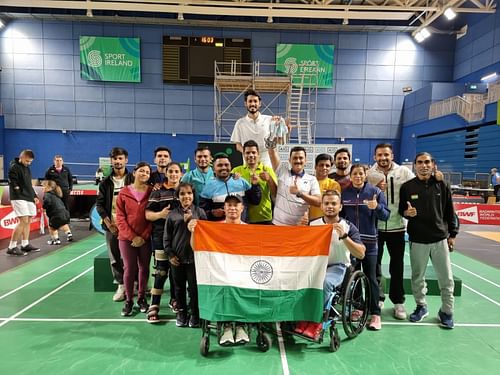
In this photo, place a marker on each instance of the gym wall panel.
(91, 123)
(58, 77)
(149, 125)
(61, 122)
(377, 57)
(55, 92)
(373, 131)
(482, 59)
(351, 57)
(378, 87)
(378, 103)
(483, 43)
(378, 118)
(380, 72)
(59, 107)
(90, 109)
(350, 101)
(343, 130)
(155, 111)
(58, 30)
(352, 40)
(345, 86)
(119, 110)
(382, 41)
(117, 124)
(58, 46)
(349, 116)
(152, 96)
(58, 62)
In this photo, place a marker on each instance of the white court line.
(85, 320)
(478, 325)
(12, 317)
(280, 336)
(50, 272)
(475, 274)
(482, 295)
(281, 344)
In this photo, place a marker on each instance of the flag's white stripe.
(288, 273)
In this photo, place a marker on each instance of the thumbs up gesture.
(294, 189)
(254, 179)
(410, 211)
(372, 204)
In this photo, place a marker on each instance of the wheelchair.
(262, 339)
(349, 304)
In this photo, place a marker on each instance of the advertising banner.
(110, 59)
(303, 60)
(470, 213)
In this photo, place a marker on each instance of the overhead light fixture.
(89, 13)
(345, 21)
(180, 17)
(449, 14)
(270, 19)
(422, 35)
(489, 77)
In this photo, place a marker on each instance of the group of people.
(146, 213)
(57, 184)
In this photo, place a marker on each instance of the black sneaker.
(182, 319)
(194, 321)
(29, 247)
(16, 252)
(143, 305)
(127, 308)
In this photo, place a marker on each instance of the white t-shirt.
(339, 253)
(289, 209)
(247, 129)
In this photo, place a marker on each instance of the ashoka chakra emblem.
(261, 272)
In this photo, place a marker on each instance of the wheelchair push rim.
(355, 303)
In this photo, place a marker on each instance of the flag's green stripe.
(226, 303)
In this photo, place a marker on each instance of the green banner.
(303, 60)
(498, 112)
(110, 59)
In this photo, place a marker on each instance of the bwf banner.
(110, 59)
(304, 60)
(260, 273)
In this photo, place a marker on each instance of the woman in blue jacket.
(364, 204)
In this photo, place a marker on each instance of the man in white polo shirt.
(297, 190)
(254, 125)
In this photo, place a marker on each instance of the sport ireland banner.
(260, 273)
(303, 60)
(110, 59)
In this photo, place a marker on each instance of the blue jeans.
(333, 278)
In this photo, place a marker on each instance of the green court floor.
(52, 322)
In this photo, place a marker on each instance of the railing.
(471, 108)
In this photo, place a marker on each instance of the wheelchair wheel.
(334, 339)
(264, 342)
(355, 302)
(204, 346)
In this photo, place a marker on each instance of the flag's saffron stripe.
(300, 241)
(225, 303)
(265, 272)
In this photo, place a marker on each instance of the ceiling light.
(89, 13)
(489, 77)
(345, 21)
(449, 14)
(425, 33)
(269, 19)
(180, 17)
(419, 37)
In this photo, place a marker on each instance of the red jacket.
(130, 216)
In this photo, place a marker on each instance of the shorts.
(56, 222)
(23, 208)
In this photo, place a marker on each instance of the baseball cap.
(233, 197)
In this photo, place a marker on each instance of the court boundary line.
(50, 272)
(481, 294)
(278, 329)
(475, 274)
(281, 346)
(12, 317)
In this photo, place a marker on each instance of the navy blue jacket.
(357, 212)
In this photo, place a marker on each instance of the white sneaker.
(241, 335)
(119, 294)
(227, 336)
(381, 304)
(399, 311)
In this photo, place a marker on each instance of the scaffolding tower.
(233, 79)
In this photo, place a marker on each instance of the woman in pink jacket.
(134, 233)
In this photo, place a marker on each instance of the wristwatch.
(299, 194)
(343, 237)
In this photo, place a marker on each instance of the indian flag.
(260, 273)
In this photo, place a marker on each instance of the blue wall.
(41, 86)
